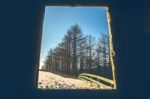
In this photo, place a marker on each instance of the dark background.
(20, 37)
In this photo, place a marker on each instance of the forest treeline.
(78, 53)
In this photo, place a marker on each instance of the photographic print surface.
(75, 49)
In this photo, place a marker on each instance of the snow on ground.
(49, 80)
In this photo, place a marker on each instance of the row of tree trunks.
(78, 53)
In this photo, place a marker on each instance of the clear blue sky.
(57, 21)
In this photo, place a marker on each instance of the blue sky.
(57, 20)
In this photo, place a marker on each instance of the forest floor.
(49, 80)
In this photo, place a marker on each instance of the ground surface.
(49, 80)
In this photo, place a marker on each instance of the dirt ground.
(49, 80)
